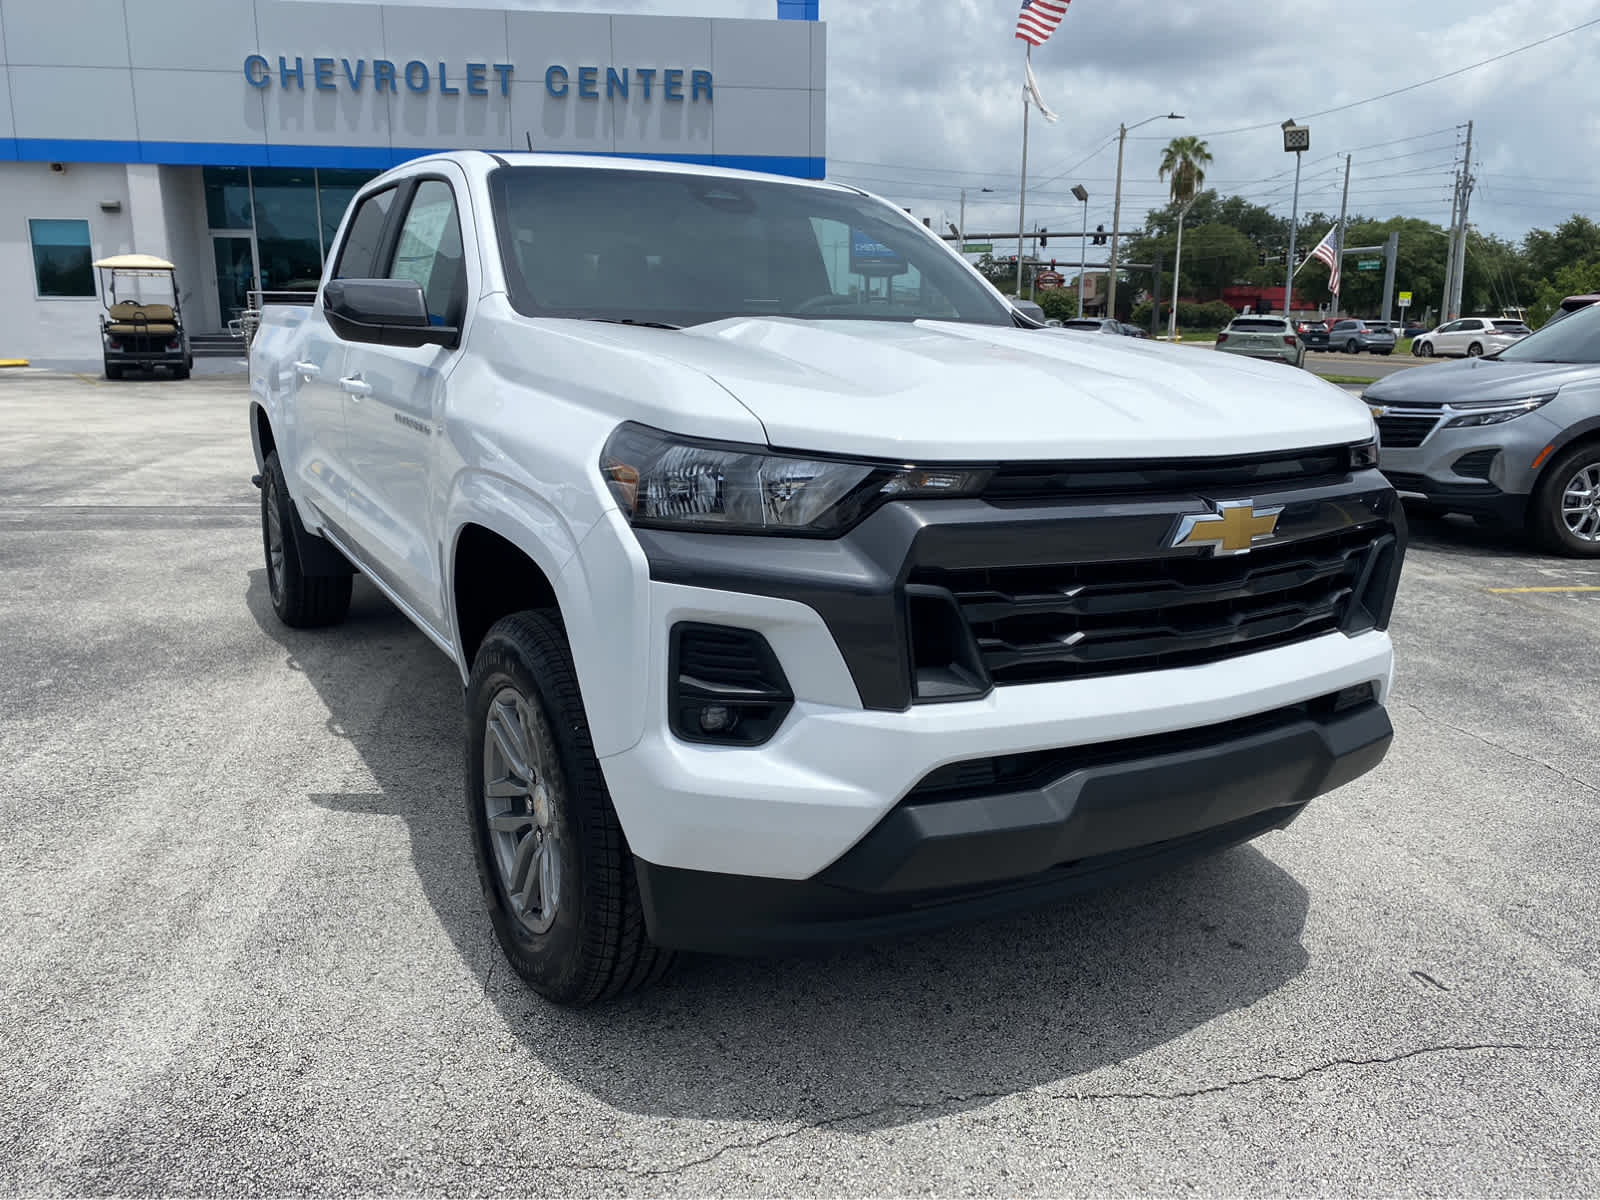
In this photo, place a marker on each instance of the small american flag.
(1327, 252)
(1039, 18)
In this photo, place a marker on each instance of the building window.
(227, 197)
(63, 264)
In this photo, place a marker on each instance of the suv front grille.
(1404, 433)
(1039, 623)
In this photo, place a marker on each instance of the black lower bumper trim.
(1471, 499)
(930, 863)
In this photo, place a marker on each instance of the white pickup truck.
(803, 590)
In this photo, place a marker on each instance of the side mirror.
(384, 312)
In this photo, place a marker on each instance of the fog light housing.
(725, 686)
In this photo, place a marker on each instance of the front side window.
(63, 264)
(359, 255)
(683, 249)
(430, 252)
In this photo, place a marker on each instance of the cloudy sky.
(924, 99)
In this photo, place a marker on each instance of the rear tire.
(300, 601)
(113, 371)
(1558, 491)
(1475, 350)
(1352, 347)
(557, 875)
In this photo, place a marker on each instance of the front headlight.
(664, 481)
(1500, 411)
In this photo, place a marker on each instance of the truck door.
(394, 402)
(321, 437)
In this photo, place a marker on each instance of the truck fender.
(603, 601)
(317, 556)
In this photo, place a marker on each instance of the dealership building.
(227, 136)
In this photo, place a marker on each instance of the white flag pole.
(1022, 199)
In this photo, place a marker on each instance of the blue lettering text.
(674, 84)
(587, 77)
(382, 73)
(417, 76)
(504, 71)
(323, 69)
(444, 85)
(257, 71)
(355, 76)
(646, 76)
(476, 73)
(550, 81)
(285, 74)
(616, 82)
(698, 80)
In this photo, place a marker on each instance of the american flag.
(1039, 18)
(1327, 252)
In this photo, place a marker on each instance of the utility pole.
(1338, 239)
(1391, 251)
(962, 220)
(1022, 198)
(1459, 278)
(1116, 227)
(1450, 252)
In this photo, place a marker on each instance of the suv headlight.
(663, 481)
(1499, 411)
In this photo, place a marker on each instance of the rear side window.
(358, 256)
(430, 252)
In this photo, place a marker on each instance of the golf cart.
(140, 332)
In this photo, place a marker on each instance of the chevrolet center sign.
(472, 79)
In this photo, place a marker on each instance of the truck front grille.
(1039, 623)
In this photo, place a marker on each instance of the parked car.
(1469, 337)
(1272, 338)
(1511, 437)
(1571, 305)
(1411, 329)
(1095, 325)
(792, 612)
(1135, 331)
(1314, 334)
(1354, 336)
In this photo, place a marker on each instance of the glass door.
(236, 273)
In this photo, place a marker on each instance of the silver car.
(1511, 438)
(1470, 337)
(1273, 338)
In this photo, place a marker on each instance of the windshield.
(685, 249)
(1575, 340)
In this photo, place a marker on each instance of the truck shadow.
(864, 1038)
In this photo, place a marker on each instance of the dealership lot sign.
(472, 79)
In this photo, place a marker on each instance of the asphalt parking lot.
(244, 953)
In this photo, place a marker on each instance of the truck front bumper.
(1086, 818)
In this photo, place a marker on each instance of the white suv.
(1470, 337)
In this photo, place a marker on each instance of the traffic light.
(1043, 241)
(1052, 264)
(1099, 235)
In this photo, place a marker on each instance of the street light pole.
(1082, 193)
(1116, 208)
(1296, 141)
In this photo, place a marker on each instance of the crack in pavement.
(950, 1101)
(1493, 745)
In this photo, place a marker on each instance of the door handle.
(355, 386)
(309, 369)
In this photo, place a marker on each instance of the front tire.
(300, 601)
(1425, 350)
(1564, 516)
(557, 875)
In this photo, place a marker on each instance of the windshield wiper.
(631, 321)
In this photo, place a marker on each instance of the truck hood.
(1476, 380)
(929, 391)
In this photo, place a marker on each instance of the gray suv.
(1353, 336)
(1512, 437)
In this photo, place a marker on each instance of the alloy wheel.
(524, 835)
(274, 540)
(1580, 503)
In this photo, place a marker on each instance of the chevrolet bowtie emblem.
(1234, 528)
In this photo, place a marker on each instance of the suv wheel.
(556, 871)
(1475, 350)
(1565, 514)
(1423, 349)
(301, 601)
(1352, 347)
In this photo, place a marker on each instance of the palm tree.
(1185, 160)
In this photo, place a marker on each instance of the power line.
(1403, 90)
